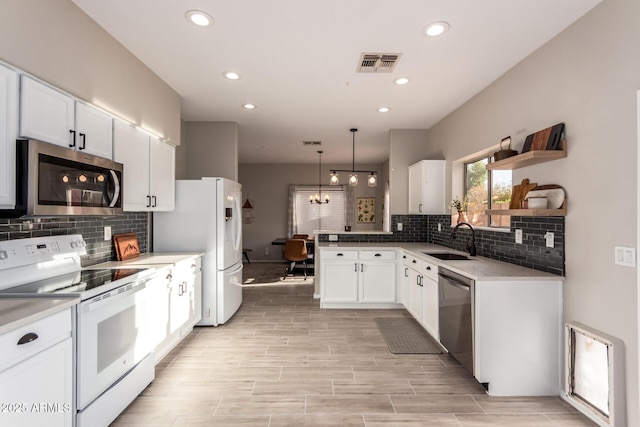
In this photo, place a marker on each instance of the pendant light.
(317, 198)
(372, 179)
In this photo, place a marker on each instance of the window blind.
(325, 216)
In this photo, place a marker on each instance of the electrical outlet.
(333, 237)
(266, 250)
(399, 226)
(549, 239)
(107, 232)
(519, 236)
(439, 227)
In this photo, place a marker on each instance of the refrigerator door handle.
(236, 222)
(238, 269)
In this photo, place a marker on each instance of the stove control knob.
(74, 245)
(4, 255)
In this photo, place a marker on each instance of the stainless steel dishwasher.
(455, 303)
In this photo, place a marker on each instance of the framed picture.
(366, 209)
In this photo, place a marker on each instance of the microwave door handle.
(116, 193)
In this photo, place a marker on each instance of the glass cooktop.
(78, 282)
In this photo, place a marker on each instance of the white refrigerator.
(207, 218)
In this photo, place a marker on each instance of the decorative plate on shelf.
(554, 193)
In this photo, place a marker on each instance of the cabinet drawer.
(339, 255)
(377, 255)
(429, 270)
(412, 261)
(48, 331)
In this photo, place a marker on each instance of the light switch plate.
(625, 256)
(519, 236)
(439, 227)
(399, 226)
(107, 232)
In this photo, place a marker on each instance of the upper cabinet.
(8, 131)
(49, 115)
(149, 169)
(426, 187)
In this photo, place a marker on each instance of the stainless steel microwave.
(56, 181)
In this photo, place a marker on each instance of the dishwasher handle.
(455, 282)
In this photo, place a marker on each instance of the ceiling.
(297, 60)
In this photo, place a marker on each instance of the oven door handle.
(116, 192)
(102, 300)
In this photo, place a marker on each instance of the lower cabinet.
(175, 297)
(358, 278)
(36, 378)
(421, 282)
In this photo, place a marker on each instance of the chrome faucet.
(471, 244)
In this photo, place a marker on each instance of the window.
(309, 217)
(486, 190)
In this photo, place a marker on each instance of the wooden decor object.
(126, 245)
(519, 192)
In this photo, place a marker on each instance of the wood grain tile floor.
(282, 361)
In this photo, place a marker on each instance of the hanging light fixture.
(318, 198)
(372, 180)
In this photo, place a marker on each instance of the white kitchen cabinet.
(430, 313)
(149, 169)
(426, 187)
(518, 336)
(358, 279)
(94, 131)
(339, 276)
(50, 115)
(175, 296)
(8, 133)
(37, 377)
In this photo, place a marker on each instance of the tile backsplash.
(498, 245)
(91, 228)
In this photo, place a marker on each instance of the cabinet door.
(433, 176)
(340, 281)
(8, 123)
(40, 388)
(94, 131)
(430, 306)
(404, 282)
(45, 113)
(377, 282)
(415, 294)
(157, 310)
(131, 148)
(415, 188)
(162, 175)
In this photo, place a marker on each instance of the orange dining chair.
(295, 250)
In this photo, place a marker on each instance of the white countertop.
(152, 259)
(477, 268)
(18, 312)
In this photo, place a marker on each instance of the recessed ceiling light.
(231, 75)
(248, 106)
(199, 18)
(401, 80)
(383, 109)
(435, 29)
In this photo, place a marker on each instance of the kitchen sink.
(449, 256)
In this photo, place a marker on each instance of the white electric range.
(112, 361)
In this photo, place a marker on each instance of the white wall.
(586, 77)
(58, 43)
(211, 149)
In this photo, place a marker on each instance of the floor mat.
(406, 336)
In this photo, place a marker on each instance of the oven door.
(112, 339)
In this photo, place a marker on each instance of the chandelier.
(372, 179)
(318, 198)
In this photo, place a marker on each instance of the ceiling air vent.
(311, 142)
(378, 62)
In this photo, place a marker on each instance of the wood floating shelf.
(530, 158)
(528, 212)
